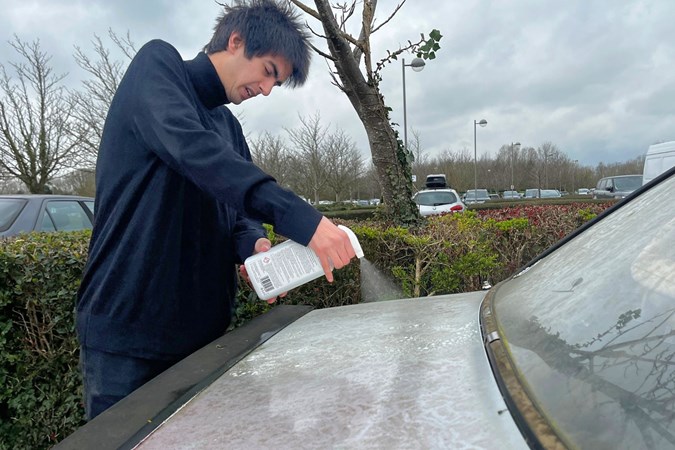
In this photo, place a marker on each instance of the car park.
(617, 187)
(33, 212)
(574, 350)
(438, 201)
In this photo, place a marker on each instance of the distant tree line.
(543, 167)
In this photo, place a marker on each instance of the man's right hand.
(331, 245)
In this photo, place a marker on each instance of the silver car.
(575, 350)
(476, 196)
(438, 201)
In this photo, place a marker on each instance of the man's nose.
(266, 87)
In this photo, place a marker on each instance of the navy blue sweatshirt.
(178, 204)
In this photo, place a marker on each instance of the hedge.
(40, 385)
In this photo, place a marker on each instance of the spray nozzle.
(354, 240)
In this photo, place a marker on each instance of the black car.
(33, 212)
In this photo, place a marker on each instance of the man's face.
(245, 78)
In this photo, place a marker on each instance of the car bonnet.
(407, 373)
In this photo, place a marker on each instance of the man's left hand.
(261, 245)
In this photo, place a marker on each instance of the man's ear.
(235, 41)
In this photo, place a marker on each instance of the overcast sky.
(594, 77)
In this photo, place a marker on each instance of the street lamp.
(417, 65)
(482, 123)
(516, 145)
(574, 169)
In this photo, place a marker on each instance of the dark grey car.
(33, 212)
(617, 187)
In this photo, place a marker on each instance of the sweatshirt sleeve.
(246, 233)
(166, 120)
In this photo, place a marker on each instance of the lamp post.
(417, 65)
(574, 169)
(516, 145)
(482, 123)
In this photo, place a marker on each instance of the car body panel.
(659, 158)
(407, 373)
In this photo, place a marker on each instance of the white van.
(659, 158)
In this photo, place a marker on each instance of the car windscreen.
(435, 198)
(9, 211)
(590, 328)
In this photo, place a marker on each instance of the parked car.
(436, 181)
(583, 191)
(575, 350)
(32, 212)
(617, 187)
(438, 201)
(476, 196)
(511, 195)
(550, 193)
(532, 193)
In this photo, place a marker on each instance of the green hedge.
(40, 385)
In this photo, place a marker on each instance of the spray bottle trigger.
(354, 241)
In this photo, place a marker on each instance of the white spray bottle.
(287, 266)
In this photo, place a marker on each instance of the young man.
(179, 202)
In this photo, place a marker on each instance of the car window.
(435, 198)
(66, 215)
(9, 211)
(47, 223)
(628, 183)
(90, 204)
(591, 328)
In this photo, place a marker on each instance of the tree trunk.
(391, 160)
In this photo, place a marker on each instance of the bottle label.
(285, 266)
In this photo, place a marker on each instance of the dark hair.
(268, 27)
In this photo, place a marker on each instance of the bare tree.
(94, 101)
(345, 164)
(420, 158)
(311, 159)
(272, 155)
(391, 159)
(38, 139)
